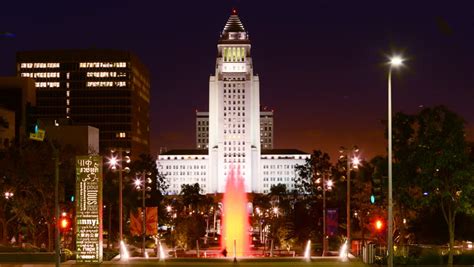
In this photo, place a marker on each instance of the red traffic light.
(64, 223)
(378, 224)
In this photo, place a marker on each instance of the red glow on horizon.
(235, 221)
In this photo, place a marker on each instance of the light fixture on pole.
(327, 186)
(394, 62)
(141, 184)
(116, 162)
(353, 161)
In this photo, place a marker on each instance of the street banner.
(152, 220)
(136, 222)
(331, 222)
(89, 209)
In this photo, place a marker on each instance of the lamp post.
(117, 162)
(327, 186)
(352, 160)
(140, 184)
(395, 61)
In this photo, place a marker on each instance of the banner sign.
(89, 209)
(136, 221)
(331, 222)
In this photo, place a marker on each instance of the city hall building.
(236, 132)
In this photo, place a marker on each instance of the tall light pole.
(117, 162)
(141, 184)
(395, 61)
(352, 160)
(327, 186)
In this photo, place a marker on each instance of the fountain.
(162, 252)
(307, 251)
(123, 251)
(343, 252)
(235, 236)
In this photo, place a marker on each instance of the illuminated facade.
(266, 129)
(234, 130)
(106, 89)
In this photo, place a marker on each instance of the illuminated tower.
(234, 110)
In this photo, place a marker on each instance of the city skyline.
(322, 71)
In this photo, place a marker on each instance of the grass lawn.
(265, 262)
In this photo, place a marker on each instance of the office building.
(106, 89)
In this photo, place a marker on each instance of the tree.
(306, 182)
(191, 196)
(31, 168)
(147, 163)
(434, 140)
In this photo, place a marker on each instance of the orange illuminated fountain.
(235, 228)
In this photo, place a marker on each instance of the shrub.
(431, 258)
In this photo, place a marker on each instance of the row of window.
(103, 65)
(203, 141)
(279, 166)
(184, 173)
(107, 84)
(106, 74)
(182, 158)
(234, 131)
(234, 79)
(233, 54)
(278, 179)
(39, 65)
(40, 74)
(234, 90)
(47, 84)
(184, 167)
(233, 114)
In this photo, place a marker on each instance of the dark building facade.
(18, 95)
(107, 89)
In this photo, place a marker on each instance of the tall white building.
(266, 129)
(233, 127)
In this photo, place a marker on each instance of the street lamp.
(8, 195)
(394, 62)
(141, 184)
(117, 161)
(327, 186)
(354, 162)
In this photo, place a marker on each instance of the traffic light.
(126, 161)
(377, 195)
(378, 225)
(32, 125)
(64, 222)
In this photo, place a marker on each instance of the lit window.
(103, 65)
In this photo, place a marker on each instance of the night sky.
(321, 63)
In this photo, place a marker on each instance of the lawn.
(266, 262)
